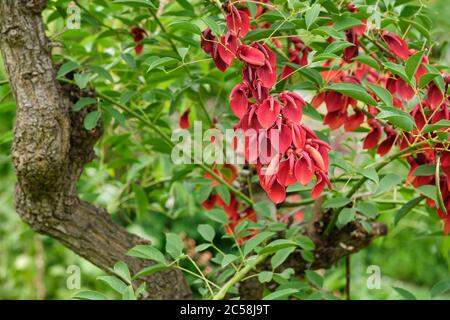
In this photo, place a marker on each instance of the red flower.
(138, 35)
(238, 22)
(374, 135)
(184, 119)
(251, 55)
(396, 44)
(434, 97)
(268, 112)
(387, 144)
(239, 100)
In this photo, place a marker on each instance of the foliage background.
(133, 178)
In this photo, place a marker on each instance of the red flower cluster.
(429, 111)
(138, 35)
(299, 155)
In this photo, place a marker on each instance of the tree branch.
(50, 149)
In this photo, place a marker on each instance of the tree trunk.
(50, 149)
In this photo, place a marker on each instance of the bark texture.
(50, 149)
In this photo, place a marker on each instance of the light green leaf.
(265, 276)
(406, 208)
(354, 91)
(311, 15)
(404, 293)
(280, 294)
(115, 283)
(413, 64)
(147, 252)
(440, 288)
(89, 295)
(345, 216)
(337, 202)
(174, 245)
(384, 95)
(256, 240)
(83, 102)
(91, 119)
(207, 232)
(66, 68)
(281, 256)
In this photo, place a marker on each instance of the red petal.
(435, 96)
(238, 22)
(251, 55)
(239, 100)
(397, 45)
(277, 192)
(386, 145)
(285, 173)
(404, 90)
(354, 121)
(374, 135)
(268, 112)
(184, 119)
(303, 172)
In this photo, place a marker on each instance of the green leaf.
(147, 252)
(424, 170)
(280, 294)
(308, 256)
(202, 247)
(413, 64)
(311, 15)
(141, 200)
(174, 245)
(129, 60)
(81, 80)
(136, 3)
(262, 208)
(150, 270)
(345, 216)
(397, 69)
(251, 8)
(368, 209)
(91, 119)
(441, 124)
(83, 102)
(281, 256)
(157, 62)
(397, 117)
(440, 288)
(115, 283)
(212, 24)
(66, 68)
(277, 245)
(371, 174)
(265, 276)
(426, 79)
(429, 191)
(305, 242)
(121, 269)
(388, 182)
(337, 46)
(337, 202)
(384, 95)
(203, 193)
(227, 259)
(218, 215)
(314, 278)
(255, 241)
(405, 293)
(207, 232)
(406, 208)
(129, 294)
(89, 295)
(368, 61)
(354, 91)
(224, 193)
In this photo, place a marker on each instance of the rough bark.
(49, 151)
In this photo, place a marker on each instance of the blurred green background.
(33, 266)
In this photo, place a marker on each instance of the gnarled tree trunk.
(50, 149)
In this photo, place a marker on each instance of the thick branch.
(50, 148)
